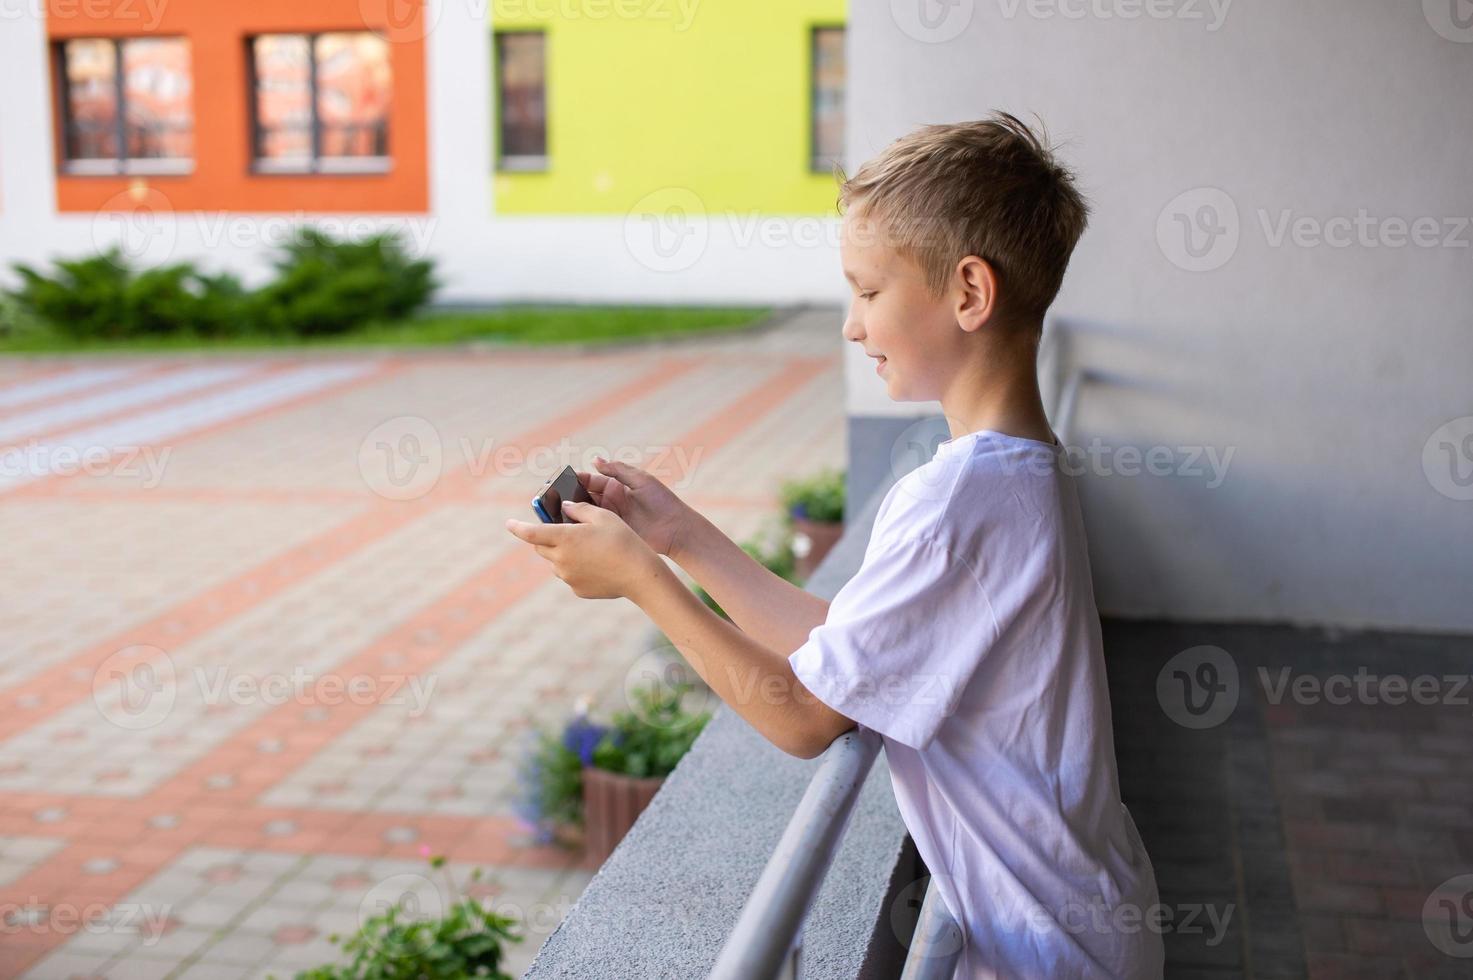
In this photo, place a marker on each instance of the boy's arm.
(754, 679)
(773, 611)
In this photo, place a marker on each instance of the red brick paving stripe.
(756, 403)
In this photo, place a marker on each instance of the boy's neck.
(998, 391)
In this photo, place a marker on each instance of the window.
(126, 105)
(320, 102)
(521, 100)
(828, 98)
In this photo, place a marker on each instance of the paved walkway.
(1311, 814)
(189, 784)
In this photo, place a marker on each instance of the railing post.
(936, 945)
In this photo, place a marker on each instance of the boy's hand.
(600, 557)
(649, 507)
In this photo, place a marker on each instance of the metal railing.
(766, 942)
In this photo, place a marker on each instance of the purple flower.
(581, 736)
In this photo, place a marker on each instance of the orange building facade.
(265, 106)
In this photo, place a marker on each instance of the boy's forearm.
(756, 681)
(773, 611)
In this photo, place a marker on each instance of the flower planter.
(611, 804)
(812, 540)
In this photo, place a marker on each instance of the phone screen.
(549, 502)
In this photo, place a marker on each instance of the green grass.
(538, 325)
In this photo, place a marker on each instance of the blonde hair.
(990, 188)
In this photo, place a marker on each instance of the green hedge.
(322, 287)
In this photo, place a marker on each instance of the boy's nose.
(853, 330)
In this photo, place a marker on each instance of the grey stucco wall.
(1326, 371)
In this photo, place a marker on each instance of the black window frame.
(519, 163)
(815, 165)
(122, 163)
(317, 163)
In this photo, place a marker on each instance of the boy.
(969, 638)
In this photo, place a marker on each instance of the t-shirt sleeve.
(901, 640)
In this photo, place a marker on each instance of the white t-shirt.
(970, 641)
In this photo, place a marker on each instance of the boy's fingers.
(595, 484)
(630, 476)
(540, 534)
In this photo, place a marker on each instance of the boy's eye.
(867, 295)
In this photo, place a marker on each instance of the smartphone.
(549, 501)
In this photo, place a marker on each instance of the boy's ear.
(977, 296)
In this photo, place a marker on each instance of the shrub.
(323, 286)
(651, 739)
(817, 498)
(16, 320)
(465, 942)
(648, 740)
(105, 298)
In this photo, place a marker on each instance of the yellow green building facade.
(721, 99)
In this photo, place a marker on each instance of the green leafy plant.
(647, 740)
(818, 498)
(322, 287)
(326, 286)
(467, 941)
(16, 320)
(105, 297)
